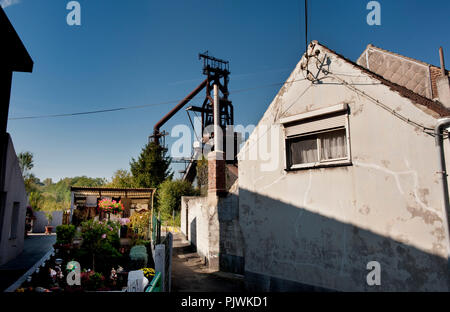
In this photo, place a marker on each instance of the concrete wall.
(231, 241)
(211, 224)
(201, 226)
(318, 228)
(13, 192)
(41, 221)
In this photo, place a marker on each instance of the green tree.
(47, 182)
(152, 166)
(121, 178)
(25, 162)
(56, 196)
(36, 199)
(169, 196)
(32, 183)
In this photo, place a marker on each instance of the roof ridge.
(113, 188)
(370, 45)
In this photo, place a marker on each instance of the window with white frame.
(318, 138)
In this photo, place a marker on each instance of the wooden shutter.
(315, 125)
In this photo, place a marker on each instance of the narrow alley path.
(189, 273)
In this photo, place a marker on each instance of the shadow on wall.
(289, 248)
(193, 231)
(231, 242)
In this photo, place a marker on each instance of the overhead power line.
(94, 112)
(108, 110)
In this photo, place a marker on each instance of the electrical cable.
(137, 106)
(425, 129)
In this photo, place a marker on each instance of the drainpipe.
(438, 132)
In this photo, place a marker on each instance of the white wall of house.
(211, 224)
(14, 209)
(201, 227)
(320, 227)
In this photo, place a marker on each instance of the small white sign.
(136, 281)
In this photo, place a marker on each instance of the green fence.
(156, 233)
(155, 284)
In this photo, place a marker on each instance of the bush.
(65, 234)
(138, 257)
(140, 223)
(169, 196)
(101, 244)
(92, 280)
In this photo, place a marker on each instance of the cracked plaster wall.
(320, 227)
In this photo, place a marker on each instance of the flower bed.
(102, 263)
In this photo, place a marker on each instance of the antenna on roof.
(306, 27)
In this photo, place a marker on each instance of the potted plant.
(48, 227)
(111, 206)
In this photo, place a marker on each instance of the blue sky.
(137, 52)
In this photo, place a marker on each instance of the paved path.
(189, 273)
(35, 247)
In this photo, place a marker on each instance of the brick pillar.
(216, 173)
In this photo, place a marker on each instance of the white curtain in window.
(303, 150)
(333, 145)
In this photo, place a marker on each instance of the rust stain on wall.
(423, 194)
(427, 216)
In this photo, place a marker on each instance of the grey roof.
(113, 192)
(432, 105)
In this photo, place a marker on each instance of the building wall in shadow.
(212, 226)
(321, 226)
(291, 248)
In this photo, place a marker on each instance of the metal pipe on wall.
(438, 132)
(218, 136)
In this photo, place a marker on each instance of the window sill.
(320, 165)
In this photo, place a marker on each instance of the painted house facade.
(343, 171)
(13, 196)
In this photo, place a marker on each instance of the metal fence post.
(160, 263)
(169, 273)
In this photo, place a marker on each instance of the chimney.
(216, 158)
(441, 56)
(443, 83)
